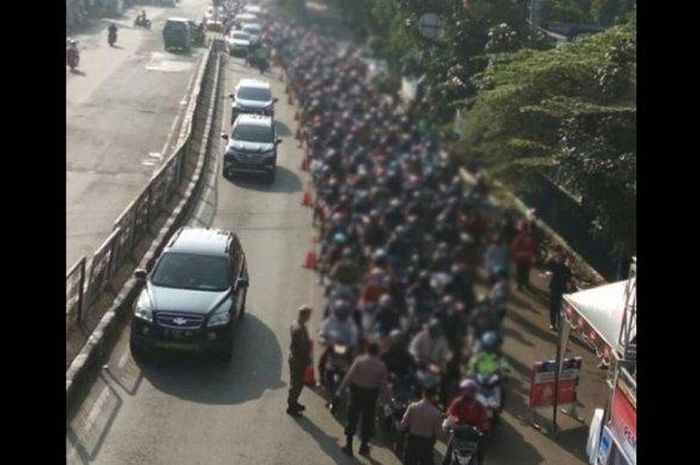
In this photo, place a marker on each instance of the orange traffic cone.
(306, 199)
(310, 262)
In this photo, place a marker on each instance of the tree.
(571, 108)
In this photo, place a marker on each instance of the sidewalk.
(528, 339)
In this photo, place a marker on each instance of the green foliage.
(608, 12)
(571, 108)
(565, 11)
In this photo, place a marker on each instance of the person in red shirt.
(466, 410)
(523, 251)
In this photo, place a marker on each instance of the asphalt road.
(121, 108)
(175, 409)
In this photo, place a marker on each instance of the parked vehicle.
(194, 295)
(254, 30)
(252, 147)
(177, 34)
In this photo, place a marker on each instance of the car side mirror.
(140, 274)
(231, 96)
(242, 282)
(278, 141)
(224, 136)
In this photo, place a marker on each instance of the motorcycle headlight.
(143, 310)
(219, 318)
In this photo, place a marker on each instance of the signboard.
(604, 447)
(542, 385)
(623, 418)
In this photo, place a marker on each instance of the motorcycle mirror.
(140, 274)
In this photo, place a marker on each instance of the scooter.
(467, 446)
(141, 22)
(72, 58)
(391, 413)
(490, 394)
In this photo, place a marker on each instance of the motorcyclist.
(488, 360)
(387, 317)
(112, 33)
(466, 410)
(346, 271)
(338, 328)
(397, 358)
(429, 346)
(72, 54)
(141, 19)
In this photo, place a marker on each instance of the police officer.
(299, 359)
(367, 378)
(423, 420)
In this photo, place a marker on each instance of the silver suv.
(194, 295)
(252, 147)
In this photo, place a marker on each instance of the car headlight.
(219, 318)
(143, 311)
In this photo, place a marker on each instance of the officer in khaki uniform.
(299, 358)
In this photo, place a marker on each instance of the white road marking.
(156, 155)
(148, 163)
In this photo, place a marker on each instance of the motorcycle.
(142, 22)
(112, 38)
(467, 445)
(490, 394)
(391, 413)
(72, 58)
(337, 364)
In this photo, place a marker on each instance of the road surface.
(121, 107)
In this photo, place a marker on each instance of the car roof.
(201, 241)
(254, 120)
(178, 20)
(248, 82)
(255, 25)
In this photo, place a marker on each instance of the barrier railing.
(85, 282)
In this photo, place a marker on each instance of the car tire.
(138, 352)
(271, 177)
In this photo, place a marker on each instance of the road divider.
(181, 177)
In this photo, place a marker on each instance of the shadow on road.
(508, 446)
(282, 129)
(77, 72)
(329, 444)
(286, 181)
(256, 367)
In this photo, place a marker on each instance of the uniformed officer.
(423, 420)
(367, 378)
(299, 358)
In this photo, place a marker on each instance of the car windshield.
(240, 35)
(253, 133)
(176, 26)
(190, 271)
(254, 93)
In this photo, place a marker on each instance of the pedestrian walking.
(523, 250)
(367, 378)
(423, 422)
(299, 359)
(558, 284)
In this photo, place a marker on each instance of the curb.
(102, 337)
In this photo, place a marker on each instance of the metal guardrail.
(85, 281)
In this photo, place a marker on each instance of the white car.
(241, 18)
(253, 30)
(238, 42)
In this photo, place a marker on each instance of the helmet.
(348, 253)
(468, 388)
(340, 238)
(379, 254)
(385, 300)
(342, 309)
(396, 336)
(490, 340)
(434, 325)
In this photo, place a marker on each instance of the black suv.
(194, 295)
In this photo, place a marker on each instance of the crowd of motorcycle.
(409, 256)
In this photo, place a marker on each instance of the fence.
(85, 282)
